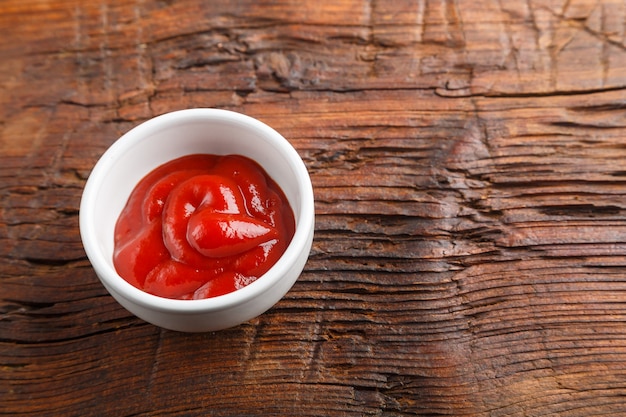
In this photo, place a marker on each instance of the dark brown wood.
(469, 165)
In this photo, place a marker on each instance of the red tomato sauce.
(202, 226)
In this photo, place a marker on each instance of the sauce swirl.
(201, 226)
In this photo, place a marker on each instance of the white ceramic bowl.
(170, 136)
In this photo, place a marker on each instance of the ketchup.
(202, 226)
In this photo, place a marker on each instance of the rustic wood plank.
(468, 165)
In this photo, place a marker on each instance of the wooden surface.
(469, 165)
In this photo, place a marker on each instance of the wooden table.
(469, 165)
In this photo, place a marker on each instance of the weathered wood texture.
(469, 164)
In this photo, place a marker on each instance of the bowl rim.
(114, 282)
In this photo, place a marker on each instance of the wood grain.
(468, 160)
